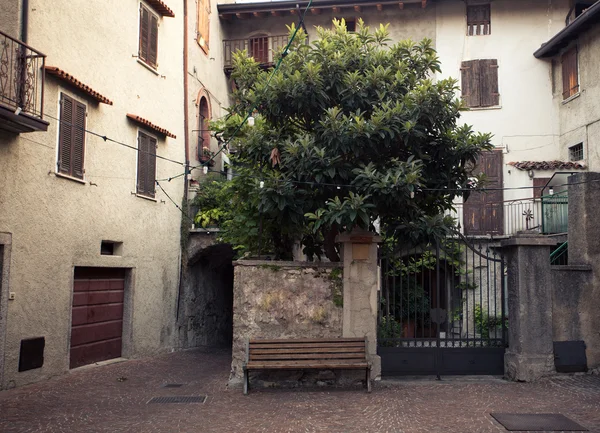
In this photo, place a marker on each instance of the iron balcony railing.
(547, 215)
(21, 76)
(262, 48)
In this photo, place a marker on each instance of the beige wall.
(525, 125)
(57, 223)
(10, 17)
(580, 115)
(205, 77)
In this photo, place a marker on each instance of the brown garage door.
(97, 321)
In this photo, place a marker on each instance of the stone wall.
(284, 300)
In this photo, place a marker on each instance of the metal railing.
(548, 215)
(21, 76)
(262, 48)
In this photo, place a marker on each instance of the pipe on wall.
(24, 20)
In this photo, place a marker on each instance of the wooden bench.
(304, 354)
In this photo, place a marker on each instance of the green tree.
(349, 129)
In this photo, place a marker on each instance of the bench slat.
(299, 365)
(310, 340)
(254, 357)
(317, 350)
(303, 345)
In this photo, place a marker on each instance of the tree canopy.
(349, 130)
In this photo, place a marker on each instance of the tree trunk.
(329, 245)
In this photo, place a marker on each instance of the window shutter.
(153, 46)
(203, 24)
(489, 83)
(78, 144)
(65, 134)
(470, 83)
(144, 33)
(142, 163)
(570, 73)
(151, 175)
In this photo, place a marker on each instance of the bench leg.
(368, 377)
(246, 382)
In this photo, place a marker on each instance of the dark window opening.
(576, 152)
(31, 355)
(204, 135)
(350, 23)
(479, 83)
(479, 20)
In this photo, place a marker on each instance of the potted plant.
(205, 156)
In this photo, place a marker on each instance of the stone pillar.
(584, 208)
(359, 256)
(530, 354)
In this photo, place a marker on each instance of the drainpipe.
(186, 143)
(24, 20)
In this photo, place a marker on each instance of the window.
(71, 137)
(478, 20)
(203, 24)
(259, 48)
(570, 73)
(350, 23)
(479, 83)
(146, 166)
(204, 137)
(148, 52)
(576, 152)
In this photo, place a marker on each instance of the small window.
(350, 23)
(148, 52)
(570, 73)
(204, 136)
(203, 24)
(479, 20)
(146, 166)
(71, 137)
(479, 83)
(259, 48)
(576, 152)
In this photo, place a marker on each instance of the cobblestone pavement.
(114, 398)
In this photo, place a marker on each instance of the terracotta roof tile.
(151, 125)
(160, 7)
(59, 73)
(547, 165)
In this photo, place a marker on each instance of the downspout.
(183, 260)
(24, 20)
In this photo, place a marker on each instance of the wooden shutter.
(570, 73)
(65, 139)
(479, 20)
(153, 43)
(204, 24)
(142, 168)
(259, 49)
(483, 212)
(470, 71)
(489, 83)
(144, 32)
(151, 175)
(78, 145)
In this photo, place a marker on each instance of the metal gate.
(442, 309)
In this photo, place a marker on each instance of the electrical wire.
(173, 201)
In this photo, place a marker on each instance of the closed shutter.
(153, 46)
(489, 83)
(78, 146)
(570, 73)
(144, 32)
(470, 83)
(65, 139)
(204, 24)
(71, 142)
(142, 168)
(151, 175)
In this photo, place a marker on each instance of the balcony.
(261, 47)
(547, 215)
(21, 86)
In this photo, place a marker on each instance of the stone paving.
(114, 398)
